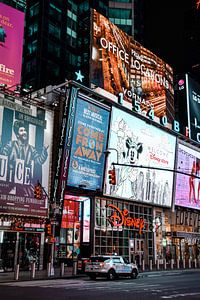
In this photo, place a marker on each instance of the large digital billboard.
(145, 160)
(122, 66)
(11, 45)
(25, 157)
(188, 180)
(88, 144)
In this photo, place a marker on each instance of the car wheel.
(111, 275)
(92, 276)
(134, 274)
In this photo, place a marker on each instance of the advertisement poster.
(11, 45)
(193, 98)
(135, 143)
(89, 142)
(120, 65)
(25, 156)
(188, 184)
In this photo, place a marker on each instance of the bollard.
(33, 270)
(16, 273)
(143, 265)
(165, 264)
(178, 263)
(172, 263)
(184, 263)
(195, 263)
(75, 268)
(150, 264)
(157, 264)
(189, 263)
(62, 269)
(49, 269)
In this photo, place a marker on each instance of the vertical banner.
(193, 101)
(11, 44)
(89, 142)
(25, 150)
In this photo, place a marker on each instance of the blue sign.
(89, 142)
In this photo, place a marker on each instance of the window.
(33, 28)
(55, 12)
(32, 47)
(34, 10)
(54, 48)
(54, 30)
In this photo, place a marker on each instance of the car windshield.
(99, 258)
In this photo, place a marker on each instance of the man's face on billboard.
(22, 134)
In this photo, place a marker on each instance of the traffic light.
(48, 229)
(112, 176)
(38, 191)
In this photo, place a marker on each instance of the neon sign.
(119, 218)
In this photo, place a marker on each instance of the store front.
(21, 242)
(184, 239)
(122, 227)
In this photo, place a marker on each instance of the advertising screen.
(188, 183)
(133, 143)
(25, 155)
(88, 144)
(11, 45)
(120, 65)
(193, 101)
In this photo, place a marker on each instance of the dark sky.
(165, 28)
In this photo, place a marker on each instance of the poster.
(89, 143)
(11, 45)
(188, 180)
(145, 155)
(25, 156)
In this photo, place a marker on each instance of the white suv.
(110, 266)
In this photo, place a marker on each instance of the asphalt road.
(176, 285)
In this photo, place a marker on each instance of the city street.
(171, 285)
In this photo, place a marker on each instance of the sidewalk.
(42, 275)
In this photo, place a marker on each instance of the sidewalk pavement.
(42, 275)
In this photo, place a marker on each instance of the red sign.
(119, 218)
(70, 213)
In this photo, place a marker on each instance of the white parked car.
(110, 266)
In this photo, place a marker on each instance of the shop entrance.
(136, 251)
(19, 248)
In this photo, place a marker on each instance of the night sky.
(167, 24)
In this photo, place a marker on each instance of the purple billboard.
(188, 180)
(25, 156)
(11, 43)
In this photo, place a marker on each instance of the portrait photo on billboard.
(137, 143)
(11, 45)
(89, 141)
(25, 156)
(188, 183)
(121, 65)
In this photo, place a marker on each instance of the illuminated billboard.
(123, 67)
(88, 143)
(133, 143)
(11, 45)
(25, 155)
(188, 180)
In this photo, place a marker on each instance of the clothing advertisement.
(25, 156)
(11, 44)
(146, 154)
(188, 180)
(89, 141)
